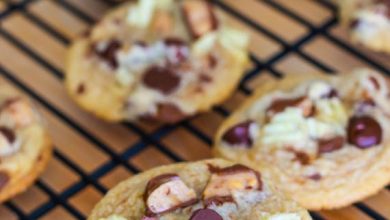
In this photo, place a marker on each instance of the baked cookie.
(157, 59)
(368, 21)
(25, 146)
(323, 140)
(204, 190)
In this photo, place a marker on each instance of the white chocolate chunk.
(124, 77)
(235, 41)
(141, 14)
(284, 216)
(204, 44)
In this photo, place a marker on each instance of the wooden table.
(289, 37)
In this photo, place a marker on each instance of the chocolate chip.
(8, 133)
(315, 177)
(80, 89)
(199, 17)
(4, 179)
(218, 200)
(301, 157)
(281, 104)
(205, 214)
(158, 181)
(364, 132)
(329, 145)
(239, 134)
(108, 53)
(375, 82)
(162, 79)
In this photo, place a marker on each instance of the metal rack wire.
(87, 179)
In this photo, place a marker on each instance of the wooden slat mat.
(91, 156)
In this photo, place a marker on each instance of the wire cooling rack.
(91, 156)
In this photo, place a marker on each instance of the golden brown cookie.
(205, 190)
(368, 22)
(25, 146)
(323, 140)
(164, 60)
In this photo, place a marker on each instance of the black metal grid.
(153, 138)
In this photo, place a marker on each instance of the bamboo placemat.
(91, 156)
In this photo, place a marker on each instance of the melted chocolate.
(329, 145)
(161, 79)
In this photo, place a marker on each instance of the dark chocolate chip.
(239, 134)
(8, 133)
(281, 104)
(315, 177)
(205, 214)
(80, 89)
(162, 79)
(329, 145)
(364, 132)
(218, 200)
(108, 54)
(4, 179)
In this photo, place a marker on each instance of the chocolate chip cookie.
(323, 140)
(368, 21)
(204, 190)
(164, 60)
(25, 147)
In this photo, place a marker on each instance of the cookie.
(368, 21)
(323, 140)
(164, 60)
(25, 147)
(205, 190)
